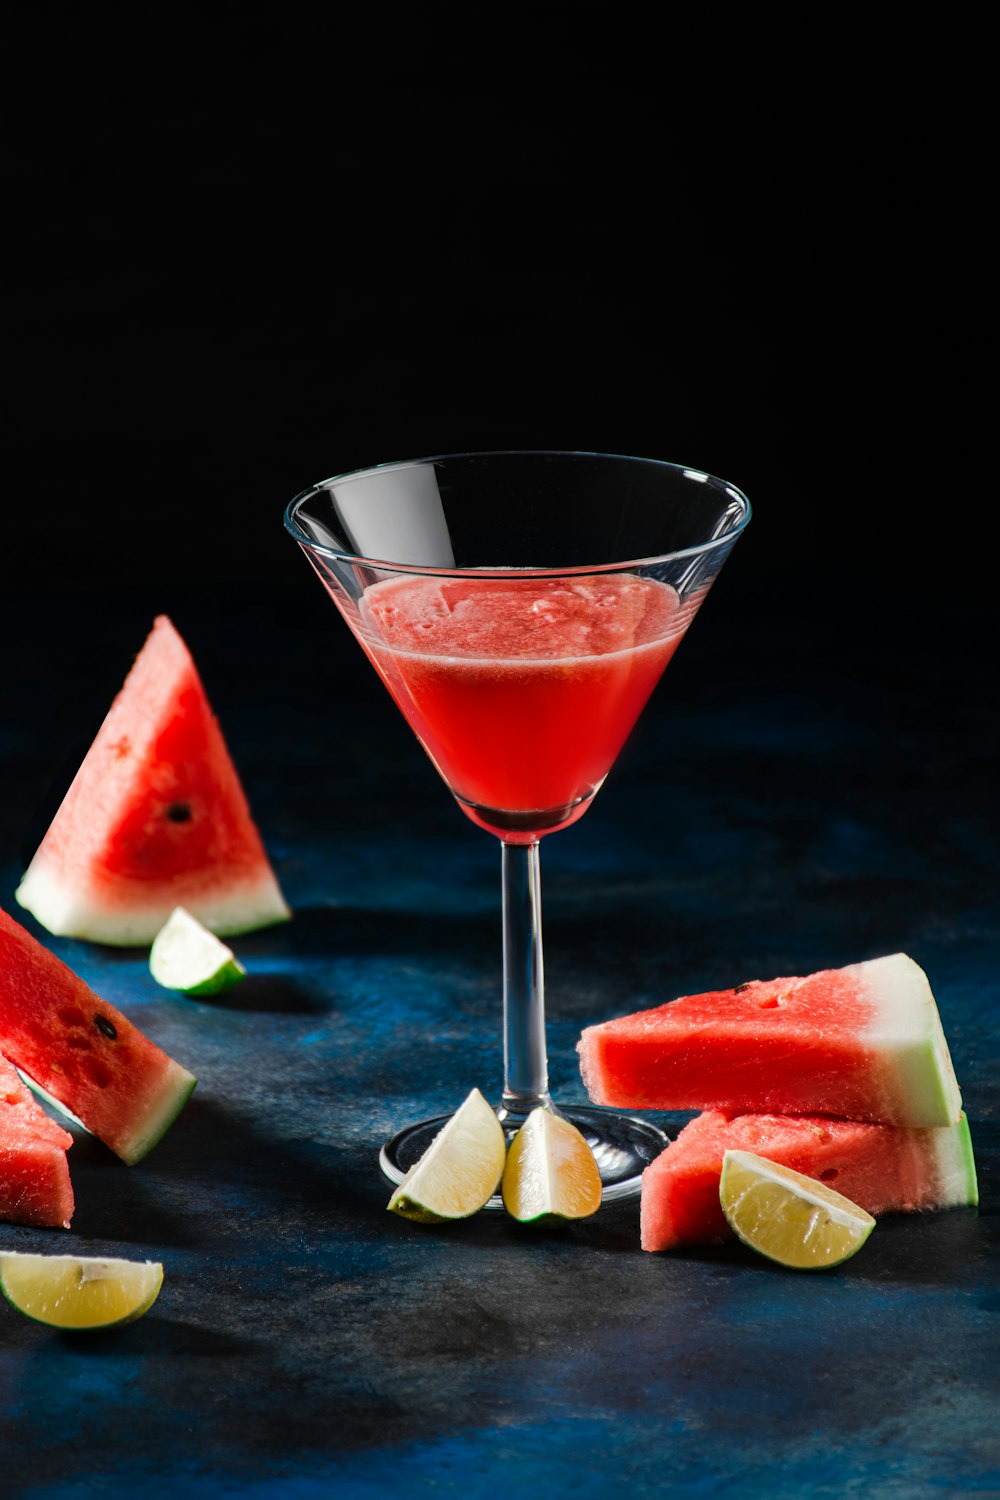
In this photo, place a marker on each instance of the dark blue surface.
(797, 796)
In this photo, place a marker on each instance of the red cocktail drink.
(522, 690)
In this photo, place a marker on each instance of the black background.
(251, 246)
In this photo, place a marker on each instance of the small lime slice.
(551, 1172)
(460, 1170)
(78, 1291)
(185, 956)
(787, 1216)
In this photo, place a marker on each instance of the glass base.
(523, 828)
(623, 1147)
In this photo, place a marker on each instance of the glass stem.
(526, 1078)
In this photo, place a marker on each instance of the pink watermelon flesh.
(34, 1174)
(882, 1168)
(83, 1051)
(155, 818)
(864, 1042)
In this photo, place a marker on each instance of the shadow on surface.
(272, 994)
(155, 1331)
(580, 922)
(904, 1250)
(351, 931)
(172, 1197)
(272, 1183)
(118, 1202)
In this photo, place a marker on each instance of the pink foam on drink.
(520, 618)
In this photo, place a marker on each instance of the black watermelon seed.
(106, 1027)
(179, 812)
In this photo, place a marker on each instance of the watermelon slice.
(34, 1174)
(155, 818)
(864, 1042)
(82, 1051)
(879, 1167)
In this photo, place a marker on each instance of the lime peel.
(789, 1217)
(187, 957)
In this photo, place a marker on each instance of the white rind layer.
(906, 1031)
(77, 912)
(956, 1166)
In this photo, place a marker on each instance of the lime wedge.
(787, 1216)
(551, 1172)
(460, 1170)
(185, 956)
(79, 1291)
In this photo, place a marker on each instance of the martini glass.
(520, 608)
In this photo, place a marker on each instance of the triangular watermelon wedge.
(81, 1050)
(155, 818)
(864, 1042)
(34, 1175)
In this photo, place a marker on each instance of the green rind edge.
(969, 1162)
(965, 1162)
(162, 1122)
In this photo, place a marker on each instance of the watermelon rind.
(70, 911)
(956, 1162)
(906, 1027)
(180, 1085)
